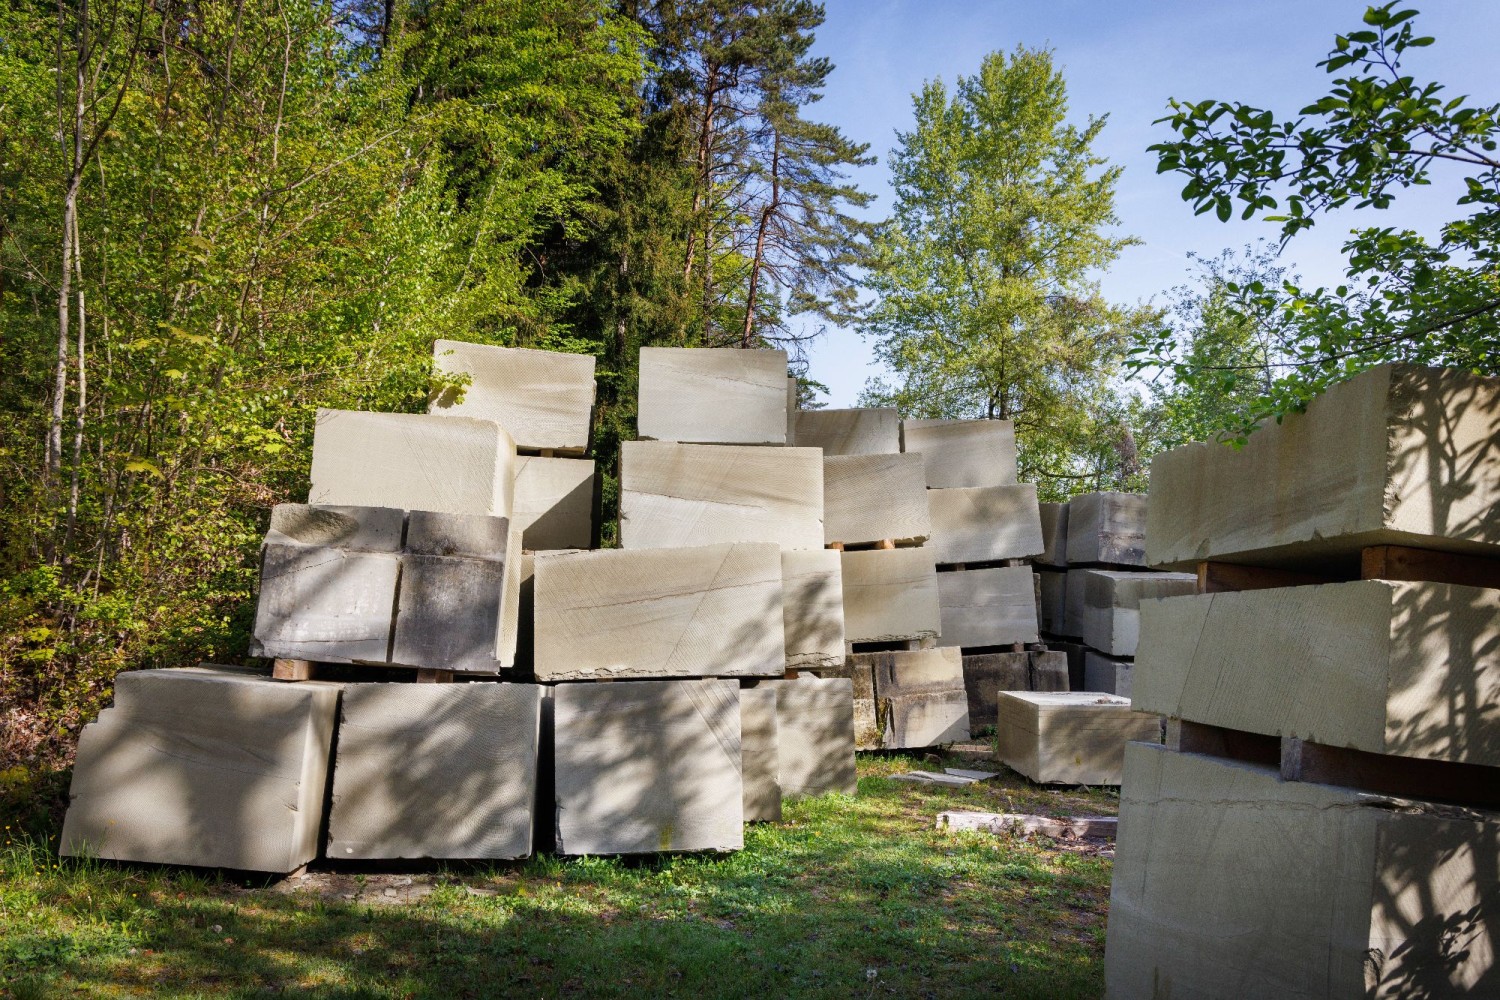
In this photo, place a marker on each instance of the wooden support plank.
(1221, 577)
(426, 675)
(293, 670)
(1402, 562)
(1384, 774)
(885, 543)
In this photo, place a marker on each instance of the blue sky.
(1126, 60)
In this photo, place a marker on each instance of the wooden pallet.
(987, 564)
(882, 544)
(310, 670)
(1377, 562)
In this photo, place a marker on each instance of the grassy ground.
(846, 897)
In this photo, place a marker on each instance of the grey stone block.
(1110, 617)
(543, 398)
(890, 595)
(1076, 655)
(555, 502)
(758, 752)
(325, 604)
(864, 431)
(1054, 534)
(987, 607)
(922, 698)
(713, 395)
(987, 673)
(1107, 529)
(985, 523)
(1049, 671)
(812, 583)
(646, 766)
(354, 529)
(870, 498)
(450, 614)
(1107, 674)
(959, 453)
(1053, 600)
(815, 735)
(475, 536)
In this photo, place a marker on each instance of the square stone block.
(325, 604)
(987, 607)
(815, 735)
(921, 696)
(555, 502)
(862, 431)
(450, 614)
(959, 453)
(759, 754)
(1107, 529)
(985, 674)
(870, 498)
(813, 586)
(543, 398)
(1069, 738)
(1110, 601)
(1049, 670)
(1107, 674)
(890, 595)
(720, 395)
(985, 523)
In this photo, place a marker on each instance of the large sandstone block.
(1054, 517)
(711, 611)
(1108, 529)
(1107, 674)
(890, 595)
(217, 768)
(645, 766)
(1394, 668)
(814, 735)
(870, 498)
(455, 610)
(1052, 600)
(1070, 738)
(435, 771)
(1231, 884)
(864, 431)
(353, 529)
(554, 502)
(985, 674)
(959, 453)
(759, 749)
(812, 584)
(984, 523)
(413, 461)
(713, 395)
(325, 604)
(1397, 455)
(987, 607)
(676, 495)
(921, 698)
(868, 724)
(1109, 616)
(543, 398)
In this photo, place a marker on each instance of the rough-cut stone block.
(1107, 674)
(720, 395)
(1054, 518)
(712, 611)
(353, 529)
(1049, 671)
(988, 673)
(1109, 617)
(1107, 528)
(758, 754)
(987, 607)
(675, 495)
(812, 584)
(1393, 668)
(890, 595)
(555, 502)
(921, 697)
(1052, 600)
(1230, 884)
(869, 498)
(1069, 738)
(960, 453)
(543, 398)
(210, 767)
(860, 669)
(1397, 455)
(325, 604)
(984, 523)
(435, 771)
(647, 766)
(413, 461)
(868, 431)
(450, 614)
(814, 735)
(470, 536)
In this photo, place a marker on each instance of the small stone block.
(1049, 671)
(450, 612)
(865, 431)
(326, 605)
(555, 502)
(1110, 617)
(1069, 738)
(987, 607)
(815, 735)
(961, 453)
(921, 696)
(871, 498)
(1107, 674)
(713, 395)
(985, 523)
(759, 754)
(890, 595)
(1108, 529)
(543, 398)
(987, 673)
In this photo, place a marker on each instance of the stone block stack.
(1323, 820)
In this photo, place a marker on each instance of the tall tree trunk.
(766, 215)
(80, 413)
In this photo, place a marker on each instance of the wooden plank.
(1028, 824)
(1382, 774)
(1402, 562)
(1222, 577)
(293, 670)
(427, 675)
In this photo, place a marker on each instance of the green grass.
(846, 897)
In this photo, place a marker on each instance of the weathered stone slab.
(1049, 671)
(711, 611)
(984, 523)
(1392, 668)
(1107, 674)
(354, 529)
(435, 771)
(1109, 615)
(812, 584)
(1397, 455)
(860, 669)
(713, 395)
(470, 536)
(543, 398)
(870, 498)
(325, 604)
(862, 431)
(890, 595)
(450, 613)
(987, 607)
(555, 502)
(960, 453)
(210, 767)
(814, 735)
(758, 754)
(1107, 529)
(1054, 517)
(1052, 588)
(413, 461)
(645, 766)
(1069, 738)
(1230, 883)
(676, 495)
(920, 697)
(987, 673)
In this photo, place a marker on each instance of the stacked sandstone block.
(1323, 821)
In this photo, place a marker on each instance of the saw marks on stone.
(555, 502)
(985, 523)
(720, 395)
(813, 593)
(872, 498)
(1107, 528)
(543, 398)
(890, 595)
(815, 735)
(960, 453)
(862, 431)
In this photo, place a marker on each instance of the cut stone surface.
(758, 752)
(354, 529)
(812, 584)
(435, 771)
(507, 648)
(958, 453)
(988, 673)
(1106, 674)
(983, 523)
(555, 502)
(719, 395)
(1230, 884)
(413, 461)
(1107, 528)
(1049, 671)
(864, 431)
(450, 614)
(1054, 517)
(645, 766)
(1109, 613)
(987, 607)
(543, 398)
(676, 495)
(1069, 738)
(1397, 455)
(711, 611)
(1393, 668)
(474, 536)
(325, 604)
(814, 735)
(890, 595)
(1052, 586)
(210, 767)
(920, 697)
(869, 498)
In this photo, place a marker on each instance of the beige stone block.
(890, 595)
(812, 584)
(987, 607)
(759, 755)
(545, 399)
(921, 698)
(713, 395)
(554, 502)
(1069, 737)
(1109, 615)
(1054, 517)
(872, 498)
(1107, 529)
(814, 735)
(863, 431)
(985, 523)
(958, 453)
